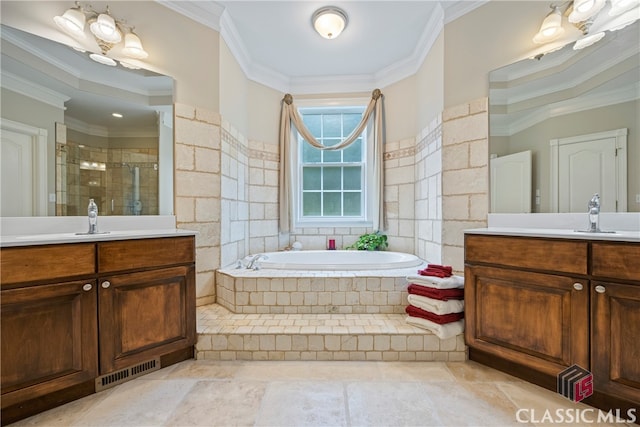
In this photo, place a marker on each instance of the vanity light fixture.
(329, 21)
(106, 30)
(592, 17)
(551, 28)
(117, 115)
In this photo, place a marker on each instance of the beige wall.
(489, 37)
(430, 86)
(234, 91)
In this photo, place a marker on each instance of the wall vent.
(113, 379)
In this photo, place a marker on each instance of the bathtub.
(338, 260)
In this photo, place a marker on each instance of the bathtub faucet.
(253, 263)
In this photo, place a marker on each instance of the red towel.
(439, 294)
(437, 270)
(440, 319)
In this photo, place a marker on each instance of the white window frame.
(368, 182)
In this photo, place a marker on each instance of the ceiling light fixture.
(329, 21)
(589, 17)
(107, 32)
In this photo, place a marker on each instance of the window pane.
(332, 204)
(332, 156)
(352, 203)
(331, 178)
(353, 153)
(331, 125)
(313, 122)
(311, 204)
(349, 122)
(352, 178)
(310, 154)
(311, 178)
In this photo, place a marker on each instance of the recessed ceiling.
(276, 45)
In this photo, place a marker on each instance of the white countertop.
(57, 238)
(30, 231)
(623, 236)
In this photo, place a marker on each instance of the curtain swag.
(289, 114)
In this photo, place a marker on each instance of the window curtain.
(289, 115)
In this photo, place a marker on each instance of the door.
(511, 183)
(49, 339)
(615, 345)
(144, 315)
(23, 171)
(588, 164)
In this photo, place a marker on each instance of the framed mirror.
(74, 129)
(566, 125)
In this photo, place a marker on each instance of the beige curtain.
(289, 115)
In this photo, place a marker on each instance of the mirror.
(57, 107)
(543, 109)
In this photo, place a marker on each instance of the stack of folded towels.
(436, 301)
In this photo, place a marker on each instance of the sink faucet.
(92, 212)
(253, 263)
(594, 213)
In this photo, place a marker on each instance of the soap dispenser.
(92, 213)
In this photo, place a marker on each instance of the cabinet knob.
(106, 284)
(577, 286)
(87, 287)
(600, 289)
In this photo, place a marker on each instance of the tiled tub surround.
(303, 292)
(274, 314)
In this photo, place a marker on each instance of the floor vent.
(113, 379)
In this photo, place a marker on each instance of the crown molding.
(214, 16)
(503, 125)
(32, 90)
(207, 13)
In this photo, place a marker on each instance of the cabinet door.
(49, 339)
(144, 315)
(537, 320)
(615, 347)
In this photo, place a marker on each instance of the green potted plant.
(370, 242)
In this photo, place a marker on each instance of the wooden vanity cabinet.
(49, 327)
(534, 306)
(615, 320)
(533, 317)
(73, 313)
(146, 300)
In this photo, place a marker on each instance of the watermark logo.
(575, 383)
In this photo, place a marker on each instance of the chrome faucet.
(594, 213)
(92, 213)
(253, 263)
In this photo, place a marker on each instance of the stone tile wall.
(428, 195)
(234, 196)
(197, 190)
(465, 176)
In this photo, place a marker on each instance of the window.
(332, 185)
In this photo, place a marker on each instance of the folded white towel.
(436, 306)
(443, 332)
(451, 282)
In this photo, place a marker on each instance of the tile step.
(223, 335)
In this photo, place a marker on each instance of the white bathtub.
(338, 260)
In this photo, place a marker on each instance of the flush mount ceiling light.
(106, 30)
(592, 17)
(329, 21)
